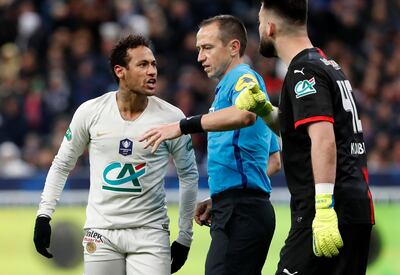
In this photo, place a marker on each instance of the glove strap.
(324, 195)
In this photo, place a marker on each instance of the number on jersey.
(349, 104)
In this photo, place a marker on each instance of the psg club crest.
(125, 147)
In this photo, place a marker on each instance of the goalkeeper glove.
(179, 254)
(42, 235)
(326, 235)
(254, 100)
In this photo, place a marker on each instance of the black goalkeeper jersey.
(316, 89)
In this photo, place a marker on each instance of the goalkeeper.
(323, 151)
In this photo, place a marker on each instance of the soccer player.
(126, 217)
(242, 217)
(323, 149)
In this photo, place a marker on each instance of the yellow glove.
(326, 235)
(254, 100)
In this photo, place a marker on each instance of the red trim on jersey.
(322, 53)
(365, 173)
(139, 166)
(313, 119)
(371, 204)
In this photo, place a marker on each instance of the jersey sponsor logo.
(357, 148)
(68, 134)
(92, 236)
(91, 239)
(299, 71)
(125, 147)
(330, 63)
(305, 87)
(127, 175)
(245, 81)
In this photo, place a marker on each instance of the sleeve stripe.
(313, 119)
(322, 53)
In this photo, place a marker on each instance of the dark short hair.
(230, 27)
(119, 54)
(294, 11)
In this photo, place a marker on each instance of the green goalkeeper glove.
(326, 235)
(254, 100)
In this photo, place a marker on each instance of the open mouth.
(151, 83)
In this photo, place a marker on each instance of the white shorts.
(138, 251)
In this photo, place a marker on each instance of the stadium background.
(53, 56)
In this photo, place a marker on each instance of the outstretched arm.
(223, 120)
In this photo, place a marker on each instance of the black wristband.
(191, 125)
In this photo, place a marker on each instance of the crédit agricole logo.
(123, 177)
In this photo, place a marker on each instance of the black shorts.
(297, 253)
(243, 223)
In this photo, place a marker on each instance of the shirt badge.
(125, 147)
(244, 81)
(68, 134)
(305, 87)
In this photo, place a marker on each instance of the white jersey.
(126, 180)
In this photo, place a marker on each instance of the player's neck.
(131, 105)
(289, 46)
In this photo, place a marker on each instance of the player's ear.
(234, 47)
(119, 71)
(271, 29)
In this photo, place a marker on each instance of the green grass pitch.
(18, 255)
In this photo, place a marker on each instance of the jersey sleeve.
(310, 95)
(74, 143)
(274, 144)
(184, 159)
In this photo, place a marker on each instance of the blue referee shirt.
(238, 159)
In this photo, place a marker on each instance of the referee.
(242, 217)
(323, 150)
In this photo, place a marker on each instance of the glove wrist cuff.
(324, 195)
(43, 218)
(324, 201)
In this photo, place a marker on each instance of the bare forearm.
(227, 119)
(274, 164)
(323, 152)
(323, 155)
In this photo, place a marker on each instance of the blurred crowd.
(54, 56)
